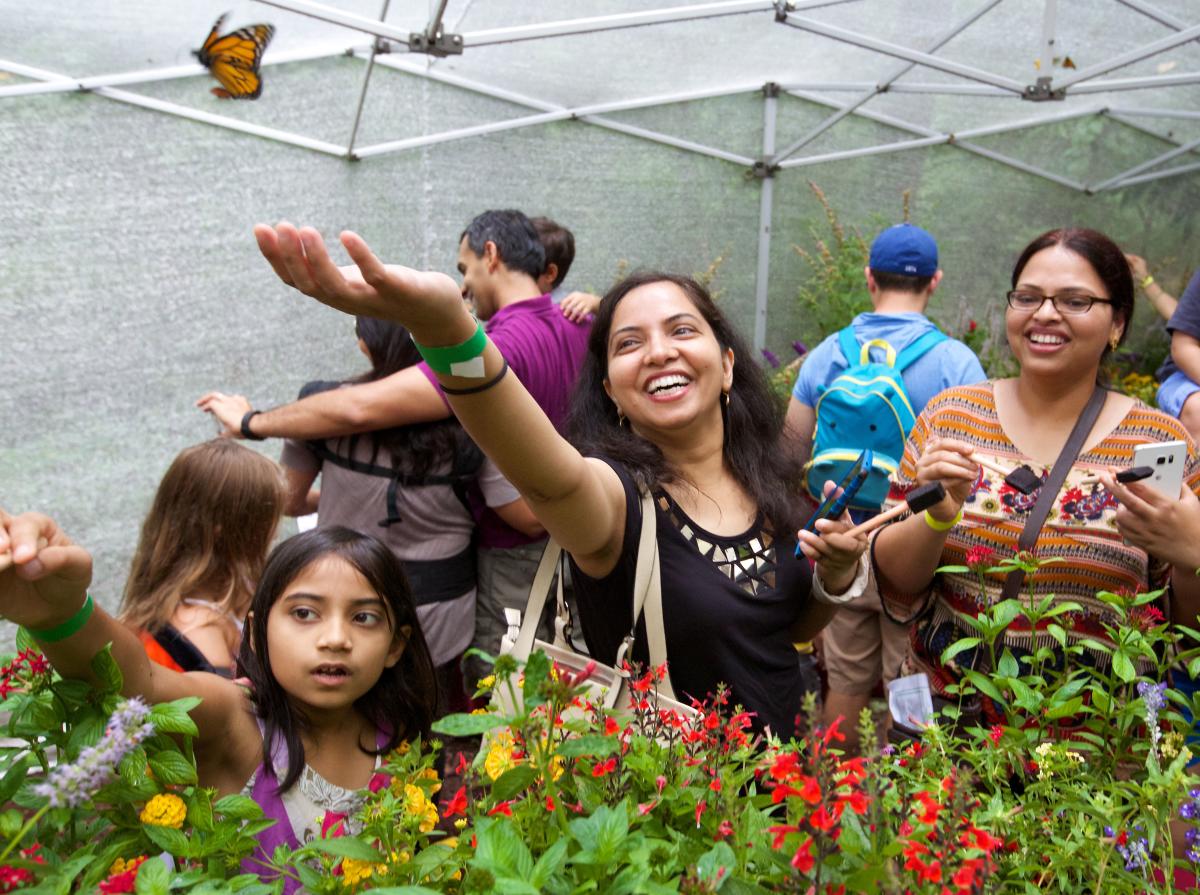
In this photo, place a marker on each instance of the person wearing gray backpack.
(863, 387)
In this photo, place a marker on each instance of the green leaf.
(168, 839)
(1122, 667)
(200, 810)
(403, 890)
(1007, 666)
(153, 878)
(463, 725)
(595, 744)
(549, 863)
(346, 847)
(958, 646)
(238, 807)
(25, 641)
(983, 683)
(513, 781)
(172, 717)
(537, 672)
(715, 865)
(14, 777)
(1068, 708)
(500, 851)
(172, 769)
(107, 672)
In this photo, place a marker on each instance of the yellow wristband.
(938, 525)
(1146, 282)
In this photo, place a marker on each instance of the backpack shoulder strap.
(848, 342)
(918, 347)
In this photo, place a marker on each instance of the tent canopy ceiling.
(866, 76)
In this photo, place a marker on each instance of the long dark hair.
(404, 698)
(1105, 258)
(757, 456)
(416, 449)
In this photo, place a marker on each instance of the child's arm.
(43, 586)
(1185, 351)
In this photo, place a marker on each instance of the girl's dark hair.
(754, 448)
(1106, 259)
(404, 698)
(419, 448)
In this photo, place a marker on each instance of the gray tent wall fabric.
(131, 283)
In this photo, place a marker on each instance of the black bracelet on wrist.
(474, 390)
(246, 433)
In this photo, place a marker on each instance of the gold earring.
(1114, 341)
(621, 419)
(725, 395)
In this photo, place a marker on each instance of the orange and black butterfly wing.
(234, 58)
(237, 81)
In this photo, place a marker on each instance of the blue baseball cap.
(904, 249)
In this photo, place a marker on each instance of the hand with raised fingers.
(43, 575)
(834, 552)
(951, 463)
(429, 304)
(228, 410)
(1137, 266)
(1166, 528)
(577, 306)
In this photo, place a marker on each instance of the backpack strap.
(848, 342)
(918, 347)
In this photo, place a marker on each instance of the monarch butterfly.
(233, 59)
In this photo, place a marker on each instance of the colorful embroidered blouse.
(1080, 529)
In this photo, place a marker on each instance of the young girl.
(202, 548)
(339, 671)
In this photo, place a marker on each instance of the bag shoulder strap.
(1058, 475)
(848, 342)
(917, 349)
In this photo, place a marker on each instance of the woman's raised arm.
(580, 501)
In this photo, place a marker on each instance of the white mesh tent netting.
(664, 136)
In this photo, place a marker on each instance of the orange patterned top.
(1080, 529)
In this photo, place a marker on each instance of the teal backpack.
(866, 406)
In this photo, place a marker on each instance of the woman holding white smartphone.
(1070, 305)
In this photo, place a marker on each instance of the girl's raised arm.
(43, 586)
(579, 501)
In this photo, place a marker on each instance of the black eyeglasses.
(1064, 302)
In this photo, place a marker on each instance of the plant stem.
(29, 824)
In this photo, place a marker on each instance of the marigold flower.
(417, 805)
(354, 872)
(122, 876)
(164, 810)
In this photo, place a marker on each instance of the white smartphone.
(1167, 459)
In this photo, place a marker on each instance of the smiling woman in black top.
(669, 398)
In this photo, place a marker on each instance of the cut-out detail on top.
(747, 560)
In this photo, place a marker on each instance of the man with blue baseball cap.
(861, 645)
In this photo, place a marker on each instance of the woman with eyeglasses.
(1070, 307)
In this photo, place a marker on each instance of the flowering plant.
(92, 783)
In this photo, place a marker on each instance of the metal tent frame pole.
(366, 81)
(1125, 176)
(938, 42)
(766, 203)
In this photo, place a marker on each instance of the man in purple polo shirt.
(500, 259)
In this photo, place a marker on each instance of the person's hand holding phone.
(1166, 528)
(834, 553)
(951, 463)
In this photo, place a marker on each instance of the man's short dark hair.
(515, 239)
(559, 244)
(899, 282)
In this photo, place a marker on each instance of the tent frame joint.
(440, 44)
(763, 169)
(1043, 91)
(771, 90)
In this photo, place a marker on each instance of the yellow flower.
(460, 824)
(354, 872)
(164, 810)
(120, 865)
(418, 806)
(1171, 744)
(486, 682)
(499, 757)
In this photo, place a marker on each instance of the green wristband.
(464, 359)
(67, 628)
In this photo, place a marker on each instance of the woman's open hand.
(43, 575)
(429, 304)
(951, 463)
